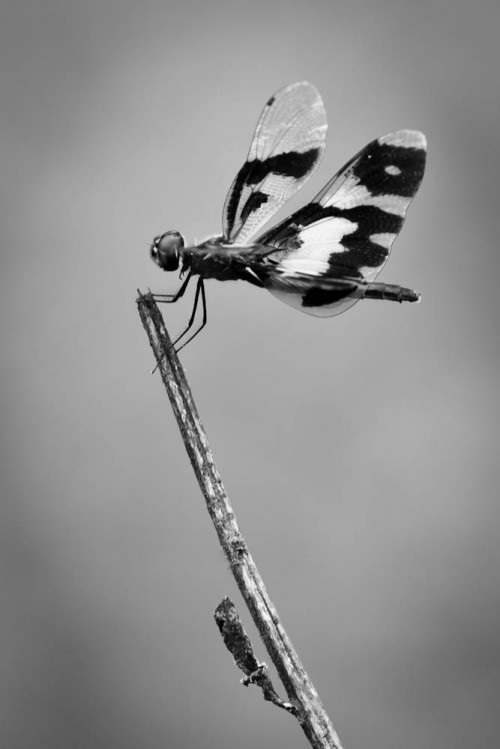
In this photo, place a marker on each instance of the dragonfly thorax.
(167, 249)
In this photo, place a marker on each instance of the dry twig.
(305, 702)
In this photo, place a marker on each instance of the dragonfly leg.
(171, 298)
(200, 292)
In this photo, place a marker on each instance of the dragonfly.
(324, 257)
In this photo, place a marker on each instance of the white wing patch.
(294, 267)
(322, 239)
(405, 139)
(352, 194)
(384, 239)
(392, 170)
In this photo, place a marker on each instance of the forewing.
(286, 148)
(349, 228)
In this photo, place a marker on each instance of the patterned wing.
(330, 251)
(287, 146)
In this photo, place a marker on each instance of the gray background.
(360, 452)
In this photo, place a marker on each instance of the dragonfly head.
(167, 249)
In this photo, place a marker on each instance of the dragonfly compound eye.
(166, 250)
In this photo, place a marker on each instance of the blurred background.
(360, 452)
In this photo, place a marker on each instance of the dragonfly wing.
(286, 148)
(348, 230)
(309, 290)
